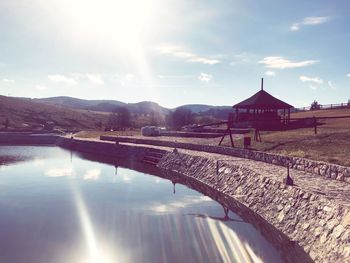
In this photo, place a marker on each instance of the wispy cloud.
(180, 52)
(331, 84)
(8, 80)
(242, 58)
(95, 78)
(40, 87)
(282, 63)
(205, 77)
(62, 79)
(93, 174)
(129, 77)
(309, 21)
(270, 73)
(175, 76)
(316, 80)
(58, 172)
(173, 206)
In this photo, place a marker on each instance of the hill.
(144, 107)
(23, 113)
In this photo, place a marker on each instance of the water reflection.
(223, 218)
(69, 209)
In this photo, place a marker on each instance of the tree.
(179, 118)
(315, 105)
(155, 119)
(119, 118)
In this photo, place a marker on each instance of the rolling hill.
(23, 113)
(73, 113)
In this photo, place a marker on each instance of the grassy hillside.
(331, 144)
(25, 114)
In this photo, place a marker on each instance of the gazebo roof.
(262, 100)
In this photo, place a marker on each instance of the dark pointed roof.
(262, 100)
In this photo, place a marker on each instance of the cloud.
(62, 79)
(176, 76)
(129, 77)
(331, 85)
(313, 87)
(270, 73)
(282, 63)
(243, 58)
(93, 174)
(8, 80)
(58, 172)
(316, 80)
(309, 21)
(348, 75)
(95, 78)
(180, 52)
(40, 87)
(173, 206)
(205, 77)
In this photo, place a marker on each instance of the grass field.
(331, 144)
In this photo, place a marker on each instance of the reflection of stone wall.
(320, 225)
(10, 138)
(289, 251)
(333, 171)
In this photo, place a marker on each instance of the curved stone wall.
(320, 225)
(328, 170)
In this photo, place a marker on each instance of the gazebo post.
(288, 115)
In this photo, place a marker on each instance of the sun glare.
(117, 29)
(120, 23)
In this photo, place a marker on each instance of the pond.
(56, 206)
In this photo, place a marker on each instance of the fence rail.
(324, 107)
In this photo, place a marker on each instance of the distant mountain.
(219, 112)
(196, 108)
(81, 103)
(144, 107)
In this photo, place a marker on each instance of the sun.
(117, 24)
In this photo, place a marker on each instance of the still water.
(58, 207)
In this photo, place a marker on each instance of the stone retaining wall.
(328, 170)
(318, 224)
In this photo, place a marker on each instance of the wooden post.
(315, 125)
(228, 130)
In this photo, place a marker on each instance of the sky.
(176, 52)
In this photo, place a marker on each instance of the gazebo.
(262, 108)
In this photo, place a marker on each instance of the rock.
(346, 220)
(280, 217)
(337, 231)
(332, 223)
